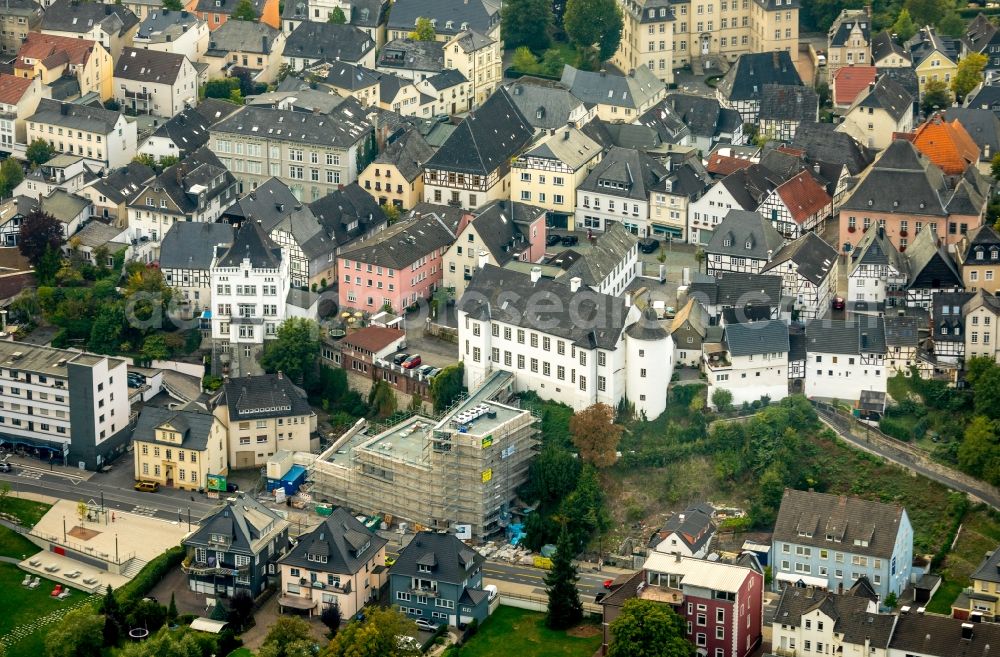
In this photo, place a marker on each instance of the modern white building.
(155, 82)
(617, 190)
(845, 357)
(751, 361)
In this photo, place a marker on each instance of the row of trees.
(593, 26)
(902, 17)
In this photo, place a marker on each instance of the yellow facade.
(165, 459)
(96, 74)
(647, 38)
(482, 67)
(937, 66)
(388, 186)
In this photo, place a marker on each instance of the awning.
(207, 625)
(795, 578)
(296, 602)
(207, 314)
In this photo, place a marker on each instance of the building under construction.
(459, 472)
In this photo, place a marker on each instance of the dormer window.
(423, 568)
(994, 253)
(727, 242)
(979, 254)
(749, 245)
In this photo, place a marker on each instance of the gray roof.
(80, 17)
(888, 95)
(904, 76)
(609, 251)
(345, 544)
(625, 173)
(746, 79)
(901, 181)
(188, 129)
(813, 257)
(648, 327)
(150, 66)
(446, 79)
(449, 17)
(191, 245)
(569, 146)
(409, 55)
(884, 45)
(369, 13)
(199, 168)
(450, 560)
(988, 97)
(704, 116)
(250, 243)
(342, 128)
(845, 23)
(693, 525)
(77, 117)
(926, 42)
(929, 260)
(403, 243)
(875, 248)
(669, 124)
(242, 521)
(241, 36)
(823, 143)
(836, 336)
(591, 320)
(601, 88)
(121, 184)
(902, 331)
(408, 152)
(344, 75)
(269, 203)
(546, 104)
(783, 102)
(499, 226)
(194, 425)
(942, 636)
(989, 569)
(982, 125)
(737, 289)
(97, 234)
(160, 23)
(329, 41)
(350, 206)
(471, 41)
(822, 520)
(64, 206)
(753, 338)
(849, 613)
(264, 396)
(741, 227)
(984, 238)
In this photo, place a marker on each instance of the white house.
(154, 82)
(743, 242)
(186, 256)
(610, 265)
(845, 357)
(751, 361)
(813, 619)
(877, 273)
(177, 32)
(744, 189)
(104, 137)
(617, 190)
(808, 270)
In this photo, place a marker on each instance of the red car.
(608, 583)
(411, 362)
(838, 303)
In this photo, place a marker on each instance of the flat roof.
(405, 441)
(45, 360)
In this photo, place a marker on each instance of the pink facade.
(370, 287)
(902, 229)
(724, 628)
(535, 234)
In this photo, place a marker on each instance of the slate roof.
(64, 206)
(875, 248)
(737, 289)
(546, 104)
(188, 130)
(989, 569)
(200, 167)
(409, 55)
(77, 117)
(927, 252)
(988, 97)
(227, 7)
(596, 320)
(214, 110)
(984, 237)
(884, 45)
(903, 331)
(240, 36)
(631, 91)
(160, 23)
(888, 95)
(191, 245)
(813, 257)
(408, 153)
(849, 613)
(150, 66)
(930, 634)
(403, 243)
(903, 181)
(669, 124)
(352, 77)
(351, 206)
(313, 40)
(449, 17)
(753, 338)
(344, 127)
(97, 233)
(250, 242)
(979, 34)
(194, 425)
(648, 327)
(263, 396)
(486, 139)
(740, 227)
(121, 184)
(982, 126)
(844, 25)
(346, 544)
(704, 117)
(822, 143)
(926, 42)
(499, 224)
(836, 336)
(781, 102)
(446, 79)
(637, 172)
(693, 525)
(903, 76)
(845, 519)
(80, 17)
(609, 250)
(369, 13)
(747, 77)
(269, 203)
(450, 560)
(243, 521)
(568, 145)
(687, 177)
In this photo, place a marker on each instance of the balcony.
(432, 593)
(200, 568)
(344, 588)
(138, 95)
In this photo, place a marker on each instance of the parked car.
(649, 244)
(147, 486)
(426, 625)
(426, 370)
(5, 467)
(553, 239)
(599, 597)
(434, 372)
(608, 583)
(399, 358)
(570, 240)
(411, 362)
(231, 487)
(389, 561)
(838, 303)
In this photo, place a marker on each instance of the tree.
(951, 25)
(294, 351)
(524, 61)
(172, 609)
(904, 28)
(148, 614)
(969, 75)
(240, 609)
(927, 12)
(173, 5)
(446, 387)
(331, 618)
(167, 643)
(391, 212)
(978, 447)
(107, 331)
(11, 175)
(244, 11)
(423, 30)
(39, 152)
(995, 167)
(168, 161)
(4, 494)
(722, 399)
(375, 636)
(564, 609)
(382, 399)
(79, 634)
(337, 16)
(81, 510)
(40, 233)
(285, 638)
(584, 509)
(154, 347)
(986, 393)
(526, 23)
(936, 96)
(596, 435)
(552, 476)
(591, 23)
(645, 628)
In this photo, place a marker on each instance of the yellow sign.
(487, 441)
(487, 475)
(542, 562)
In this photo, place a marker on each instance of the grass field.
(511, 631)
(20, 605)
(241, 652)
(980, 533)
(14, 545)
(27, 512)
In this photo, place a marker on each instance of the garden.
(511, 631)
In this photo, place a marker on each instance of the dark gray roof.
(241, 522)
(889, 95)
(191, 245)
(982, 125)
(409, 55)
(752, 338)
(408, 152)
(77, 117)
(161, 20)
(625, 173)
(813, 257)
(875, 248)
(648, 327)
(928, 260)
(845, 23)
(201, 167)
(188, 130)
(194, 425)
(979, 34)
(903, 331)
(569, 145)
(883, 45)
(344, 127)
(214, 109)
(150, 66)
(449, 17)
(989, 569)
(269, 203)
(369, 13)
(740, 289)
(901, 181)
(586, 318)
(487, 138)
(903, 76)
(782, 102)
(984, 238)
(348, 213)
(746, 79)
(264, 396)
(240, 36)
(601, 88)
(927, 41)
(499, 226)
(450, 560)
(836, 336)
(446, 79)
(823, 143)
(404, 242)
(546, 104)
(344, 75)
(121, 184)
(250, 243)
(740, 227)
(704, 117)
(688, 177)
(625, 135)
(849, 613)
(669, 124)
(947, 309)
(312, 40)
(930, 634)
(693, 525)
(80, 17)
(609, 251)
(809, 518)
(345, 543)
(988, 97)
(751, 185)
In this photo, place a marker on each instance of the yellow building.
(396, 175)
(479, 58)
(179, 448)
(983, 597)
(647, 38)
(50, 57)
(547, 175)
(932, 59)
(848, 41)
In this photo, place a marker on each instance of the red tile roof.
(53, 50)
(947, 145)
(373, 338)
(803, 196)
(850, 81)
(12, 88)
(723, 165)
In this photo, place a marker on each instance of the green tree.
(927, 12)
(168, 161)
(995, 167)
(553, 475)
(240, 609)
(166, 643)
(391, 212)
(969, 75)
(288, 637)
(107, 331)
(648, 629)
(936, 96)
(79, 634)
(294, 351)
(154, 347)
(382, 399)
(244, 11)
(979, 445)
(11, 175)
(423, 30)
(526, 23)
(172, 609)
(584, 509)
(904, 28)
(722, 399)
(173, 5)
(596, 435)
(951, 24)
(524, 60)
(337, 16)
(331, 617)
(594, 23)
(41, 234)
(39, 152)
(146, 159)
(375, 636)
(564, 609)
(447, 386)
(221, 88)
(986, 393)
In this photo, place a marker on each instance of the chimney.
(536, 273)
(280, 375)
(904, 609)
(64, 109)
(574, 283)
(604, 72)
(868, 10)
(816, 168)
(681, 517)
(484, 259)
(967, 631)
(566, 136)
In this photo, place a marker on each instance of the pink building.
(398, 266)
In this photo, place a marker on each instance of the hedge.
(892, 427)
(150, 576)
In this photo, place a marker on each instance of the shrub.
(149, 576)
(892, 427)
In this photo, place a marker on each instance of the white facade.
(599, 211)
(844, 376)
(749, 378)
(815, 632)
(109, 150)
(165, 99)
(192, 42)
(809, 300)
(649, 367)
(705, 214)
(248, 303)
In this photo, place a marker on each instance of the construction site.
(457, 472)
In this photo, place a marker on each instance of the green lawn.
(980, 534)
(20, 605)
(27, 512)
(241, 652)
(14, 545)
(511, 631)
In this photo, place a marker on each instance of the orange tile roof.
(53, 50)
(723, 165)
(12, 88)
(373, 338)
(803, 196)
(850, 81)
(947, 145)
